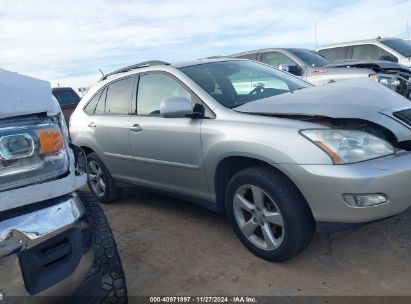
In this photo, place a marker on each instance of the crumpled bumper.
(45, 250)
(323, 187)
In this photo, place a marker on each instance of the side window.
(119, 96)
(91, 106)
(369, 51)
(153, 89)
(252, 56)
(101, 103)
(276, 59)
(334, 53)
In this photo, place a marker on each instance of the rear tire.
(100, 181)
(268, 213)
(107, 261)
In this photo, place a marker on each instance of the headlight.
(31, 151)
(385, 79)
(349, 146)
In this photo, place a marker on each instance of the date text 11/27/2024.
(201, 299)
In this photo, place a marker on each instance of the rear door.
(109, 127)
(167, 151)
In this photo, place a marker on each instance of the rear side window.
(91, 106)
(276, 59)
(101, 103)
(119, 96)
(371, 52)
(337, 53)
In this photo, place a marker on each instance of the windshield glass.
(309, 57)
(399, 45)
(233, 83)
(66, 97)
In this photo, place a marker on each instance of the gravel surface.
(173, 247)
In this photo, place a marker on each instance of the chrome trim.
(44, 222)
(28, 230)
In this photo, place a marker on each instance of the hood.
(23, 95)
(372, 64)
(357, 99)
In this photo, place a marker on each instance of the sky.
(66, 42)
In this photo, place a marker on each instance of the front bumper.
(324, 185)
(45, 250)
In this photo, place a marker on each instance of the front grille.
(404, 116)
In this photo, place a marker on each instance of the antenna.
(101, 72)
(408, 31)
(315, 35)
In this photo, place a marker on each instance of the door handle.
(92, 125)
(135, 128)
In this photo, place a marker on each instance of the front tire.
(268, 213)
(107, 261)
(100, 181)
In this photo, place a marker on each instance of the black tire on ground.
(107, 261)
(298, 220)
(112, 192)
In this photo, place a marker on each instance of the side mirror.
(176, 107)
(290, 68)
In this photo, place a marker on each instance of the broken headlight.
(31, 151)
(349, 146)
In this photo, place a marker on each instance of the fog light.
(365, 200)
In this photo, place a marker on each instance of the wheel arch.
(229, 166)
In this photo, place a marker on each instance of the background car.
(312, 67)
(68, 100)
(390, 49)
(55, 240)
(281, 157)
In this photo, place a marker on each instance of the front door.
(167, 151)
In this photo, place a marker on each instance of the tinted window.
(309, 57)
(276, 59)
(399, 45)
(91, 106)
(334, 53)
(370, 51)
(119, 95)
(239, 82)
(154, 89)
(66, 97)
(101, 103)
(252, 56)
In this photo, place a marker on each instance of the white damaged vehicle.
(54, 240)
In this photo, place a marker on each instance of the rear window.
(66, 97)
(334, 53)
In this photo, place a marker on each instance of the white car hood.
(23, 95)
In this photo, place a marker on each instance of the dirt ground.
(174, 247)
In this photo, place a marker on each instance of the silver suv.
(310, 66)
(281, 157)
(390, 49)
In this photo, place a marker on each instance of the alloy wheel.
(96, 178)
(258, 217)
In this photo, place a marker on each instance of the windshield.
(309, 57)
(399, 45)
(66, 97)
(233, 83)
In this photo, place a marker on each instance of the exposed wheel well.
(226, 170)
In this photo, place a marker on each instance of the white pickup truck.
(54, 238)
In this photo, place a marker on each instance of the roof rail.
(135, 66)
